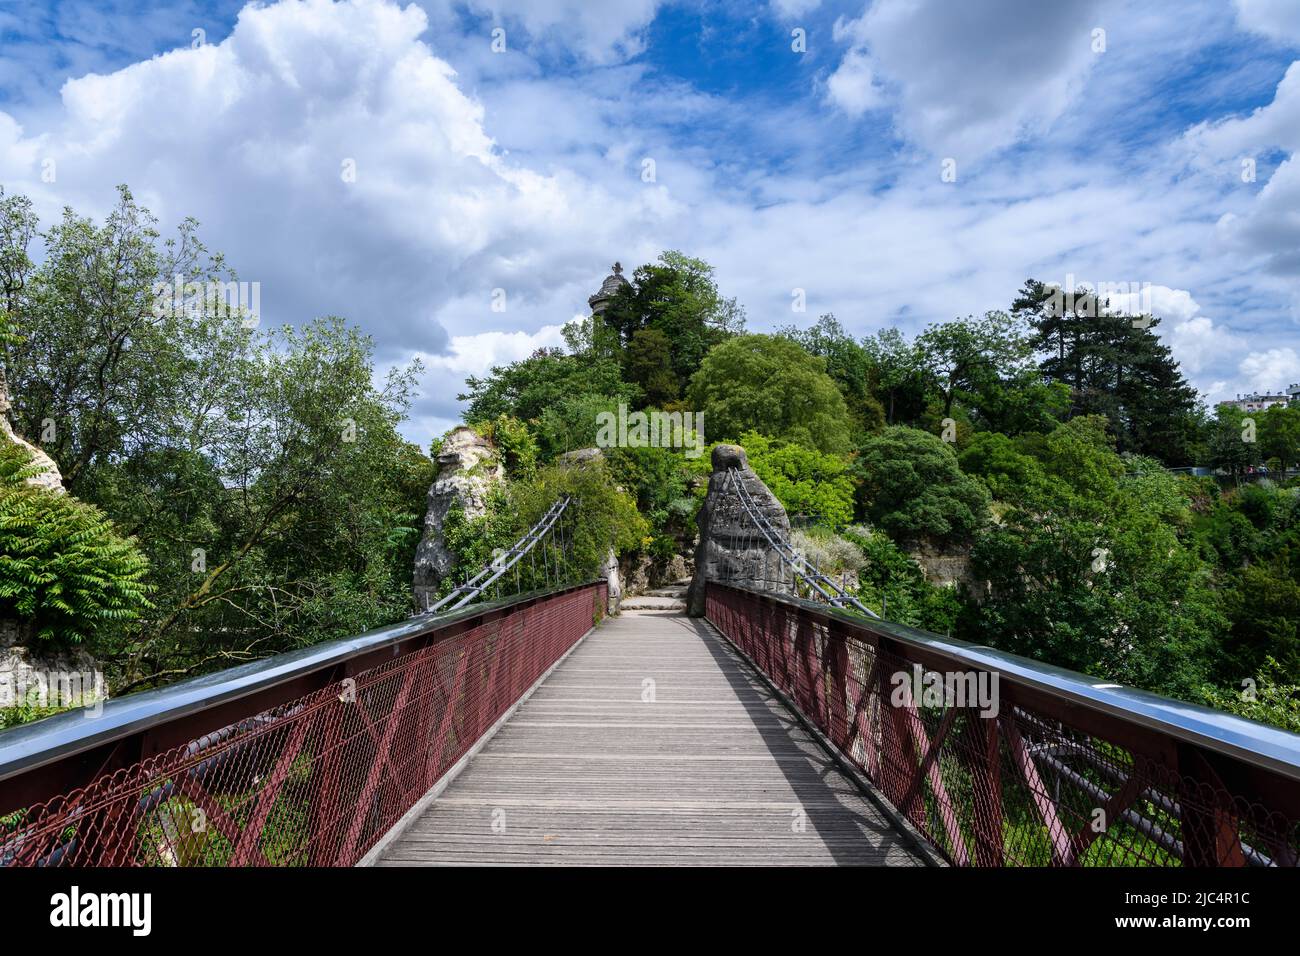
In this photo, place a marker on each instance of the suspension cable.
(803, 569)
(504, 561)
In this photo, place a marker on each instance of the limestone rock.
(468, 468)
(49, 478)
(42, 677)
(614, 583)
(945, 566)
(730, 547)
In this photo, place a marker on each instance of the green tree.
(525, 389)
(1094, 569)
(1279, 435)
(911, 486)
(901, 376)
(677, 297)
(1007, 472)
(260, 471)
(1114, 365)
(970, 354)
(649, 365)
(1234, 441)
(806, 482)
(770, 385)
(849, 364)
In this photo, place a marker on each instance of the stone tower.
(608, 289)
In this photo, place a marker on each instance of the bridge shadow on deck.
(827, 795)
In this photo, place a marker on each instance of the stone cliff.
(730, 548)
(468, 468)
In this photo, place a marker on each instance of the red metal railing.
(1052, 768)
(284, 775)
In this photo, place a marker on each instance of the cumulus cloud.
(603, 32)
(1270, 370)
(511, 176)
(963, 97)
(1268, 228)
(853, 86)
(327, 146)
(1278, 19)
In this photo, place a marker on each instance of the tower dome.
(608, 289)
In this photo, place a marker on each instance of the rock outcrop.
(468, 468)
(614, 583)
(946, 567)
(730, 548)
(41, 677)
(49, 477)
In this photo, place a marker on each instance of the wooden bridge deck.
(651, 744)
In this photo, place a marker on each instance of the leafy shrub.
(890, 581)
(827, 551)
(912, 488)
(63, 567)
(515, 443)
(1276, 701)
(806, 481)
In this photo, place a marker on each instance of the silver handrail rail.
(1261, 745)
(32, 745)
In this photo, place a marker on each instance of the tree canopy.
(770, 385)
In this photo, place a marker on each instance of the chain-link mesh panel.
(315, 781)
(1018, 779)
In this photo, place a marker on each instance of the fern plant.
(63, 567)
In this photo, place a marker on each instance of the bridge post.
(1210, 823)
(835, 661)
(985, 767)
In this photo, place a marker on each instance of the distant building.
(1257, 402)
(1293, 393)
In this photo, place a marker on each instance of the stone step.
(651, 602)
(675, 591)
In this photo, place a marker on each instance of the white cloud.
(852, 86)
(509, 176)
(1268, 228)
(1199, 344)
(1270, 370)
(974, 77)
(251, 136)
(604, 32)
(789, 9)
(476, 354)
(1279, 19)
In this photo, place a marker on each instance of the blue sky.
(1111, 157)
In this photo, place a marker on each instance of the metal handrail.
(1250, 741)
(42, 742)
(495, 568)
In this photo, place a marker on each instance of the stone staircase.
(671, 599)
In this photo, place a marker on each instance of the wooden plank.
(651, 745)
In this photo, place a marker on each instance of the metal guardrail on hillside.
(306, 758)
(999, 760)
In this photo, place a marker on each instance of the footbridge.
(785, 723)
